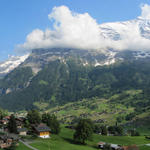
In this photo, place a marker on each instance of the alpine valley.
(104, 86)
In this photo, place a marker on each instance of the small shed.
(115, 147)
(101, 145)
(22, 131)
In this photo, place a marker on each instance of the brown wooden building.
(42, 130)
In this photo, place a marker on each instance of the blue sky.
(20, 17)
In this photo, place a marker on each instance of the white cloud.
(70, 30)
(145, 11)
(75, 30)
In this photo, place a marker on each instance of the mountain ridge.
(114, 31)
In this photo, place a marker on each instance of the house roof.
(7, 117)
(21, 129)
(42, 128)
(115, 146)
(20, 119)
(101, 143)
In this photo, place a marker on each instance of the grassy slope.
(94, 108)
(64, 142)
(22, 147)
(61, 142)
(106, 110)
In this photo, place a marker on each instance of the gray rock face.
(40, 57)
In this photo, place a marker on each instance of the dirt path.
(29, 146)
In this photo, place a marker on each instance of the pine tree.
(104, 130)
(12, 127)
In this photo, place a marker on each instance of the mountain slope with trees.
(59, 83)
(119, 91)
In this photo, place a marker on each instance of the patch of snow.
(12, 63)
(109, 60)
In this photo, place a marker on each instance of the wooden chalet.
(5, 120)
(20, 122)
(42, 130)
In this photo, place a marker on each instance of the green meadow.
(22, 147)
(64, 141)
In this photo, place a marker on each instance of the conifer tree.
(12, 127)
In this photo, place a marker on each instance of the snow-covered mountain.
(118, 30)
(110, 31)
(11, 63)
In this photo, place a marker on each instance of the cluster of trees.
(100, 129)
(34, 117)
(85, 129)
(3, 113)
(103, 130)
(133, 132)
(116, 130)
(52, 122)
(130, 116)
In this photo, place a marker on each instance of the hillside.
(60, 82)
(68, 79)
(104, 111)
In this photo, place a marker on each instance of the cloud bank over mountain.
(145, 11)
(74, 30)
